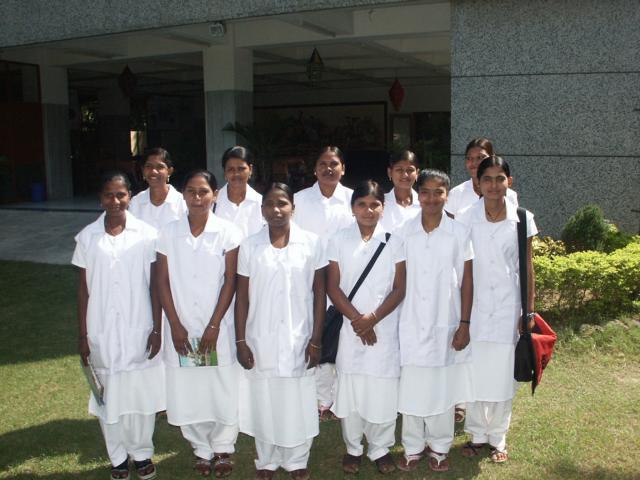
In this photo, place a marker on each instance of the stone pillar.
(54, 91)
(555, 85)
(228, 96)
(114, 126)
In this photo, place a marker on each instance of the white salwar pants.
(435, 431)
(207, 438)
(488, 422)
(131, 436)
(380, 436)
(325, 384)
(272, 457)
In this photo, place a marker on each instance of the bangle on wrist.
(315, 346)
(215, 327)
(465, 321)
(242, 340)
(373, 314)
(155, 332)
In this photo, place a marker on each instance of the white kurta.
(496, 300)
(324, 216)
(463, 196)
(278, 397)
(173, 208)
(394, 214)
(247, 216)
(364, 370)
(196, 274)
(434, 375)
(321, 215)
(119, 318)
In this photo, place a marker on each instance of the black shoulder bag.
(535, 347)
(333, 318)
(524, 368)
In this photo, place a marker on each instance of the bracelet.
(315, 346)
(465, 321)
(215, 327)
(155, 332)
(373, 314)
(241, 340)
(531, 315)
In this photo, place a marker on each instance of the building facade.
(553, 83)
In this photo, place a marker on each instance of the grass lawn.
(583, 422)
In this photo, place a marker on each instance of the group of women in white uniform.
(246, 288)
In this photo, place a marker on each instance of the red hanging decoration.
(396, 94)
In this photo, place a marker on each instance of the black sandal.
(145, 469)
(121, 472)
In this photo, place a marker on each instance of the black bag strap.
(522, 259)
(369, 266)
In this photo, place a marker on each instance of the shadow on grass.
(38, 305)
(56, 438)
(568, 469)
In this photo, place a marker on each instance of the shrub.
(548, 246)
(605, 282)
(587, 229)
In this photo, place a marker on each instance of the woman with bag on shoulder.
(496, 310)
(368, 359)
(279, 311)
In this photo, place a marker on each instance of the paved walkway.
(41, 236)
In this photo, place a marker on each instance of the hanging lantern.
(396, 94)
(128, 82)
(315, 66)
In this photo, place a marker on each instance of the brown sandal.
(351, 463)
(410, 463)
(471, 449)
(385, 464)
(300, 474)
(438, 462)
(264, 474)
(222, 464)
(202, 466)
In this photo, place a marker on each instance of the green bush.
(548, 246)
(604, 282)
(587, 230)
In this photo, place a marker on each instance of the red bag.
(534, 349)
(544, 339)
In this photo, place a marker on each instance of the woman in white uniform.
(401, 202)
(496, 308)
(279, 311)
(196, 269)
(237, 202)
(434, 326)
(468, 193)
(323, 209)
(368, 360)
(119, 331)
(160, 203)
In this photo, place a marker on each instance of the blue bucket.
(38, 193)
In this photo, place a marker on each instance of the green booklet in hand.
(196, 359)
